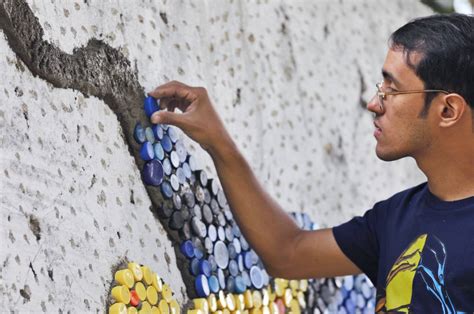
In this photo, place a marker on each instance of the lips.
(378, 130)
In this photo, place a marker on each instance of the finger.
(167, 117)
(175, 90)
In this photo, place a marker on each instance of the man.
(417, 247)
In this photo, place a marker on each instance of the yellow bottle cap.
(202, 304)
(301, 299)
(279, 287)
(151, 295)
(174, 307)
(295, 307)
(265, 297)
(221, 302)
(141, 291)
(146, 308)
(125, 277)
(248, 299)
(225, 311)
(136, 271)
(294, 284)
(218, 312)
(230, 300)
(265, 310)
(274, 308)
(239, 302)
(155, 310)
(157, 283)
(288, 297)
(121, 294)
(257, 299)
(118, 308)
(304, 285)
(167, 293)
(163, 306)
(195, 311)
(147, 275)
(132, 310)
(212, 302)
(256, 310)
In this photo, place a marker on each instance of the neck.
(450, 176)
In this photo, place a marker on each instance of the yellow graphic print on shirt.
(399, 295)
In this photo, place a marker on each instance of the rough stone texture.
(290, 80)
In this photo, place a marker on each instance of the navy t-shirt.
(418, 251)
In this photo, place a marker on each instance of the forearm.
(265, 225)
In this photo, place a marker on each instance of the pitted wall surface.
(289, 78)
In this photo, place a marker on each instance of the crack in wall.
(96, 69)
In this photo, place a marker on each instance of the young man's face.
(400, 130)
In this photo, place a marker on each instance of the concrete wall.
(290, 79)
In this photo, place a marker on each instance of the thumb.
(166, 117)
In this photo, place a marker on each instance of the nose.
(374, 106)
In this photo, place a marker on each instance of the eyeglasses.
(382, 96)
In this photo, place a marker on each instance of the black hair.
(446, 45)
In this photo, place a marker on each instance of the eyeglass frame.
(383, 95)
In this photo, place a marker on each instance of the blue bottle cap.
(187, 248)
(215, 206)
(153, 173)
(202, 286)
(167, 166)
(265, 277)
(204, 267)
(180, 175)
(193, 164)
(173, 134)
(230, 284)
(202, 175)
(221, 198)
(232, 251)
(221, 233)
(236, 230)
(166, 143)
(240, 285)
(158, 150)
(187, 170)
(189, 199)
(181, 151)
(150, 137)
(246, 278)
(174, 159)
(151, 105)
(212, 261)
(237, 246)
(221, 278)
(176, 221)
(233, 267)
(194, 266)
(207, 196)
(221, 220)
(248, 260)
(158, 131)
(212, 233)
(198, 227)
(240, 262)
(221, 254)
(198, 253)
(256, 277)
(146, 151)
(174, 182)
(139, 133)
(196, 211)
(166, 190)
(243, 242)
(213, 284)
(229, 235)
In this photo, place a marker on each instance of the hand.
(198, 119)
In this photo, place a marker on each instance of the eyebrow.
(389, 76)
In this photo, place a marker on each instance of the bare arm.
(286, 250)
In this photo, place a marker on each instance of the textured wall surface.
(290, 79)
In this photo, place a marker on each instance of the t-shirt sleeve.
(358, 239)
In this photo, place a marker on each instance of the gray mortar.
(95, 70)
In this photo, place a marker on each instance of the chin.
(388, 155)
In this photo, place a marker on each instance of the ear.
(451, 110)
